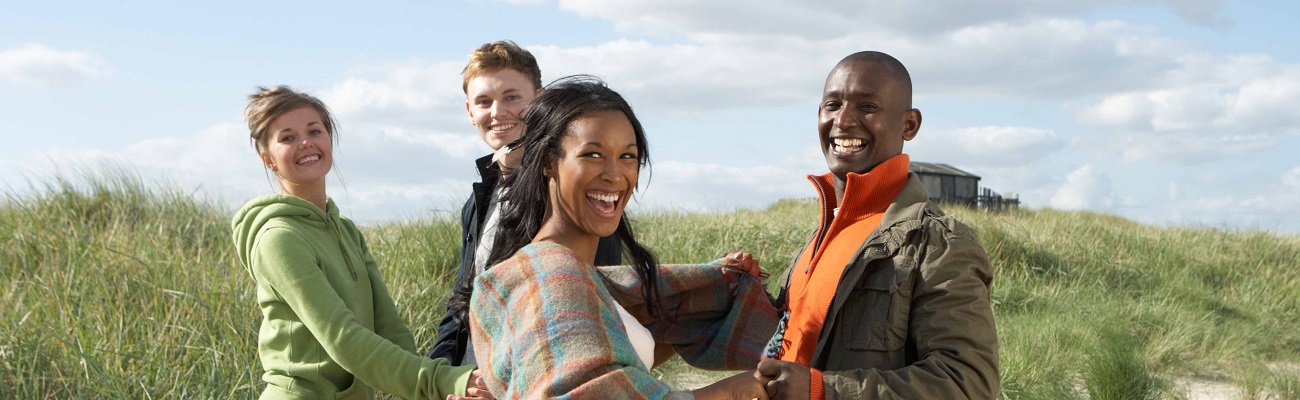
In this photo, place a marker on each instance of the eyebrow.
(507, 91)
(599, 144)
(837, 93)
(290, 129)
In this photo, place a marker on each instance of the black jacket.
(452, 340)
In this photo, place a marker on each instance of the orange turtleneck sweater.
(817, 274)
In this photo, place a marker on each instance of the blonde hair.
(268, 104)
(496, 56)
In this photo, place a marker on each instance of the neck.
(314, 194)
(583, 244)
(839, 189)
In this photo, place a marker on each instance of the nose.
(613, 171)
(843, 118)
(495, 109)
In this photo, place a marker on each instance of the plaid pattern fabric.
(544, 325)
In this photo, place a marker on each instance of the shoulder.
(279, 231)
(533, 263)
(935, 220)
(948, 245)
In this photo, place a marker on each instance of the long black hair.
(527, 199)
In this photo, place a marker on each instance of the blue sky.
(1169, 113)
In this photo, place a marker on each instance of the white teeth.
(846, 145)
(610, 198)
(502, 128)
(308, 159)
(848, 142)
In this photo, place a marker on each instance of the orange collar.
(865, 194)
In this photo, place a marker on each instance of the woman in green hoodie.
(329, 327)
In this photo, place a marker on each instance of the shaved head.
(891, 64)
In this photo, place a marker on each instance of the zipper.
(821, 230)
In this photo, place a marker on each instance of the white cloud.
(1201, 12)
(1292, 178)
(704, 186)
(382, 173)
(833, 17)
(1207, 108)
(997, 146)
(1086, 188)
(692, 78)
(40, 64)
(413, 94)
(746, 70)
(1188, 148)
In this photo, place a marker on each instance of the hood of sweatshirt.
(255, 214)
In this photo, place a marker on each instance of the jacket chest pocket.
(881, 303)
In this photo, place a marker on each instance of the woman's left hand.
(742, 262)
(476, 390)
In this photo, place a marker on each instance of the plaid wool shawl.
(544, 324)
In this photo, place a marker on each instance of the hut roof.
(939, 169)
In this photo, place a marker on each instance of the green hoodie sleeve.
(282, 259)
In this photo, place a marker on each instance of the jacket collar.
(864, 194)
(488, 171)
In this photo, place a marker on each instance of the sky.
(1171, 113)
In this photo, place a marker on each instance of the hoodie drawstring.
(346, 256)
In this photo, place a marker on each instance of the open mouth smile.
(308, 159)
(605, 204)
(502, 128)
(847, 145)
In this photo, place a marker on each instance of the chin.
(602, 231)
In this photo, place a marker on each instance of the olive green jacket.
(911, 317)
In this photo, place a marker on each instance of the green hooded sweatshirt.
(329, 327)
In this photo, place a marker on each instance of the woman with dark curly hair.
(546, 323)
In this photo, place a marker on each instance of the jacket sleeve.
(280, 260)
(542, 330)
(453, 335)
(952, 326)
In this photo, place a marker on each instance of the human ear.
(266, 160)
(911, 124)
(470, 114)
(549, 169)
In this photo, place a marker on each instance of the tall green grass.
(116, 288)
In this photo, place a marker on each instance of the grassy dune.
(121, 289)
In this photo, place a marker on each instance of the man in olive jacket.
(890, 297)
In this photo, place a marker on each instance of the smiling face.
(495, 100)
(593, 180)
(864, 117)
(299, 150)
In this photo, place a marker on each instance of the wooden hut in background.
(947, 184)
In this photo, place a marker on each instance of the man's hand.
(742, 262)
(742, 386)
(476, 390)
(785, 380)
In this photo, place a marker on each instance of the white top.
(489, 236)
(642, 342)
